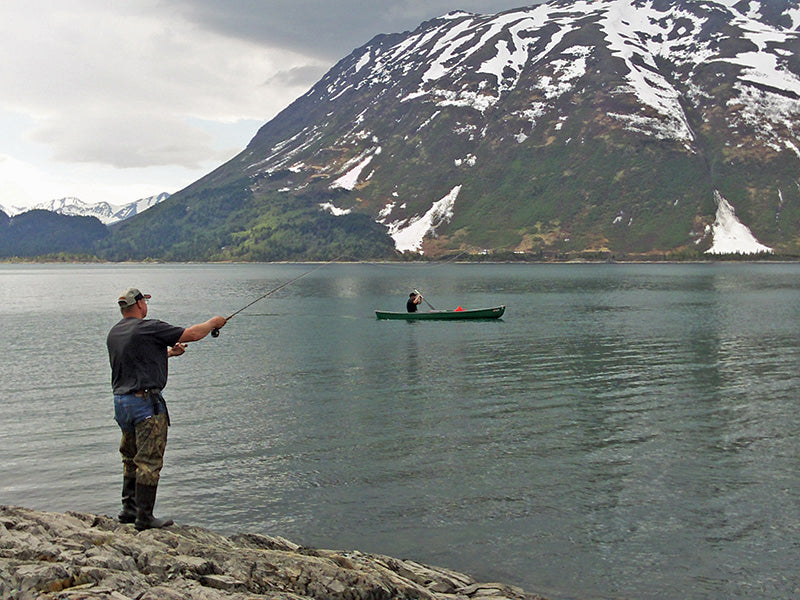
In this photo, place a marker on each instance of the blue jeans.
(144, 436)
(129, 410)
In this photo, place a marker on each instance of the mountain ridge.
(107, 213)
(571, 128)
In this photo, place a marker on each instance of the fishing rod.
(215, 331)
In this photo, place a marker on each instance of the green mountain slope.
(41, 232)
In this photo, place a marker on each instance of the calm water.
(625, 432)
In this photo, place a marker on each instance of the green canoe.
(444, 315)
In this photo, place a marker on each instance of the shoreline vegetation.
(81, 556)
(488, 258)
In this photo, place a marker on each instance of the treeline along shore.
(80, 556)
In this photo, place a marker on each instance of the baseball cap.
(130, 296)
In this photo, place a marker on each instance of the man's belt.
(155, 395)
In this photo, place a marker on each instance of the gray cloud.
(304, 76)
(143, 90)
(126, 141)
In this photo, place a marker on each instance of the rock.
(223, 582)
(78, 556)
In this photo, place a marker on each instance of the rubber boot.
(128, 514)
(145, 501)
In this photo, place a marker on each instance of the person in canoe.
(414, 299)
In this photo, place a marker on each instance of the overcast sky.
(115, 100)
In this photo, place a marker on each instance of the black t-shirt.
(411, 306)
(137, 349)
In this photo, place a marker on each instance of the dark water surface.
(625, 431)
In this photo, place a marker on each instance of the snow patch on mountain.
(282, 152)
(794, 15)
(566, 72)
(336, 212)
(730, 235)
(386, 211)
(763, 67)
(362, 62)
(532, 114)
(511, 55)
(782, 115)
(408, 234)
(467, 98)
(349, 180)
(624, 27)
(447, 48)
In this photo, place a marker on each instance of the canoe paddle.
(215, 332)
(423, 297)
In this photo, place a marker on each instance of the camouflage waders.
(143, 449)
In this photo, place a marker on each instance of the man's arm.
(201, 330)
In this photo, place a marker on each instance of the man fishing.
(138, 349)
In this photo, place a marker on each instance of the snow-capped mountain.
(107, 213)
(137, 207)
(625, 127)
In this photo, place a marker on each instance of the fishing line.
(215, 331)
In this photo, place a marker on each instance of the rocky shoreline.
(80, 556)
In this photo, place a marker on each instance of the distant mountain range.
(105, 212)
